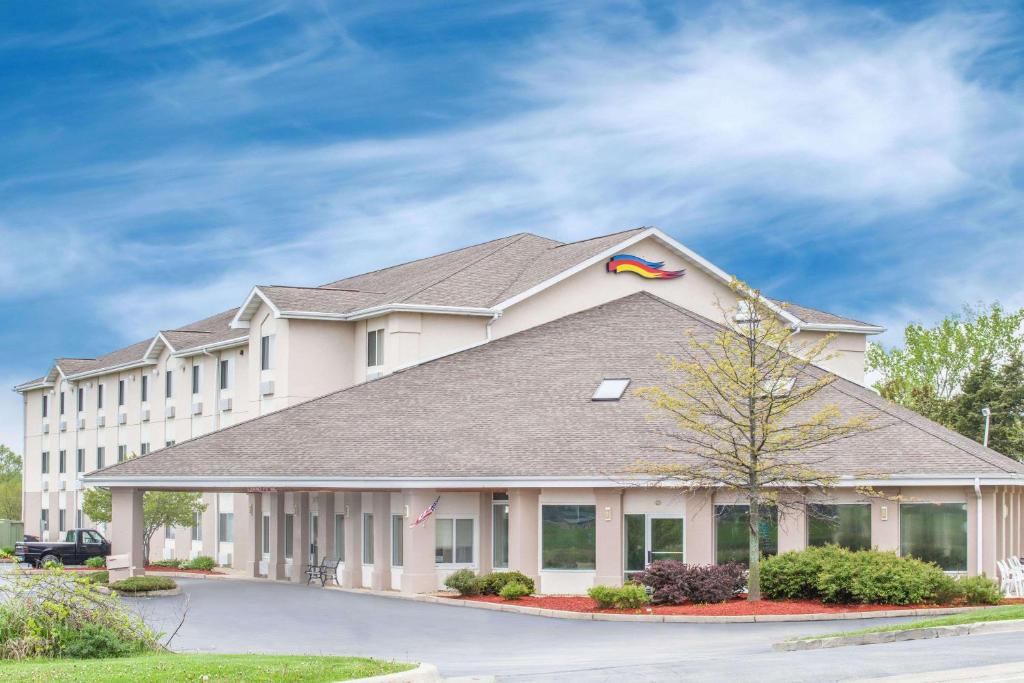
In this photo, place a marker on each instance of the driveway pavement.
(246, 616)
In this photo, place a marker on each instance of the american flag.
(426, 513)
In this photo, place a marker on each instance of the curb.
(660, 618)
(1008, 626)
(141, 594)
(424, 673)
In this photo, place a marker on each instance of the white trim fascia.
(29, 386)
(130, 365)
(839, 327)
(159, 337)
(683, 250)
(237, 323)
(215, 346)
(367, 483)
(374, 311)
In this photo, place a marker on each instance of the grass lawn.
(178, 668)
(974, 617)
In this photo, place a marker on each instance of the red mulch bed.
(156, 568)
(736, 607)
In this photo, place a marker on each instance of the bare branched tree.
(739, 404)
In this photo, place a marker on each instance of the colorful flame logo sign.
(626, 263)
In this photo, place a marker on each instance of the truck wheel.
(49, 558)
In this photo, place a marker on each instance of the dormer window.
(375, 351)
(610, 389)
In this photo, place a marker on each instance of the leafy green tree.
(1002, 391)
(10, 484)
(739, 406)
(159, 509)
(933, 364)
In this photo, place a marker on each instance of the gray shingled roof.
(816, 317)
(520, 406)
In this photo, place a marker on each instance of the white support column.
(325, 528)
(419, 572)
(126, 532)
(381, 577)
(255, 535)
(523, 530)
(275, 565)
(300, 537)
(609, 551)
(352, 577)
(485, 552)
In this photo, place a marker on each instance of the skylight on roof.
(610, 390)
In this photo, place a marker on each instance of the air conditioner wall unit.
(267, 387)
(63, 425)
(122, 418)
(81, 423)
(46, 485)
(225, 404)
(101, 420)
(46, 428)
(145, 414)
(62, 485)
(197, 408)
(170, 411)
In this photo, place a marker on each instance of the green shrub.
(96, 562)
(143, 584)
(836, 575)
(7, 551)
(464, 581)
(629, 596)
(167, 563)
(513, 590)
(202, 562)
(491, 584)
(979, 590)
(99, 578)
(53, 564)
(62, 614)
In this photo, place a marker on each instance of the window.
(374, 348)
(265, 352)
(568, 537)
(62, 462)
(46, 405)
(339, 536)
(80, 403)
(197, 526)
(44, 462)
(144, 448)
(732, 533)
(610, 390)
(225, 373)
(120, 392)
(79, 523)
(62, 520)
(168, 444)
(100, 452)
(195, 379)
(80, 460)
(266, 534)
(122, 453)
(225, 527)
(168, 533)
(62, 403)
(289, 534)
(144, 389)
(636, 542)
(845, 525)
(89, 536)
(935, 532)
(397, 546)
(44, 520)
(454, 541)
(99, 396)
(367, 538)
(499, 532)
(168, 384)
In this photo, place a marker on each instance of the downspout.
(980, 526)
(494, 319)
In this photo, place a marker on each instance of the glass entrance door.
(665, 538)
(649, 538)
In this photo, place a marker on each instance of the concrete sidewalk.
(1011, 673)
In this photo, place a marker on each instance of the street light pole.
(987, 412)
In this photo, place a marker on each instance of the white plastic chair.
(1011, 577)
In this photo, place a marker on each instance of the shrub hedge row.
(468, 583)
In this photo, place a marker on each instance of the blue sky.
(158, 159)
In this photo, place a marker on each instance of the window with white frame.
(397, 546)
(226, 527)
(121, 392)
(80, 406)
(339, 536)
(99, 396)
(499, 530)
(266, 534)
(454, 540)
(144, 388)
(46, 405)
(169, 384)
(196, 379)
(367, 538)
(289, 535)
(122, 453)
(375, 350)
(225, 374)
(197, 526)
(266, 352)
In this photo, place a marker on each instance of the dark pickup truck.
(77, 546)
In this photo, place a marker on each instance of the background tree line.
(10, 484)
(949, 372)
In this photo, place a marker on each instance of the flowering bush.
(59, 614)
(673, 582)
